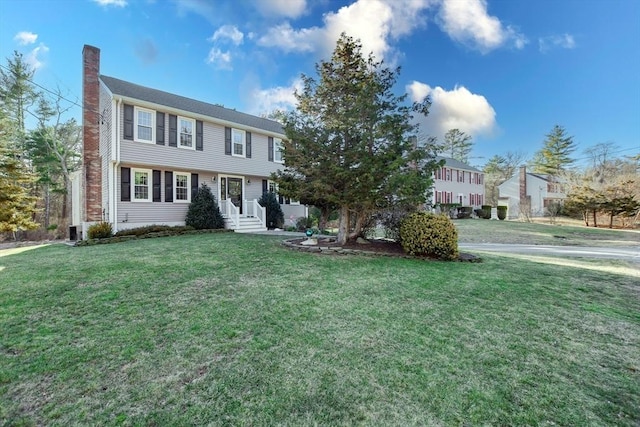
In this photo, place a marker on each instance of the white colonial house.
(529, 194)
(146, 152)
(457, 182)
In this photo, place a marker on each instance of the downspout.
(116, 164)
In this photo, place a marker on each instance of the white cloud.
(265, 101)
(282, 8)
(286, 38)
(468, 22)
(454, 109)
(117, 3)
(564, 41)
(219, 59)
(230, 32)
(25, 37)
(374, 22)
(34, 58)
(204, 8)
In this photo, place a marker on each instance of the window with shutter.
(125, 184)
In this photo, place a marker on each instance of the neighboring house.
(457, 182)
(529, 194)
(146, 152)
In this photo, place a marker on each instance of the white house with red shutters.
(457, 182)
(146, 152)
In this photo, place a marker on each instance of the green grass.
(485, 231)
(229, 329)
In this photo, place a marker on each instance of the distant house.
(529, 194)
(457, 182)
(146, 152)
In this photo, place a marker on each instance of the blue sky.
(504, 71)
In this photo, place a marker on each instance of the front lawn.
(228, 329)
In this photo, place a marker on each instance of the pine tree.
(204, 212)
(555, 155)
(348, 142)
(458, 145)
(17, 207)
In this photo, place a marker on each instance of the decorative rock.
(362, 241)
(310, 242)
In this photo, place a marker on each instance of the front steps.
(247, 225)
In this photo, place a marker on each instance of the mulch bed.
(377, 246)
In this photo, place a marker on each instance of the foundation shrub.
(426, 234)
(100, 230)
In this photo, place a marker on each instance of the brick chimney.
(91, 134)
(525, 200)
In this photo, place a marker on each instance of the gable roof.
(134, 91)
(457, 164)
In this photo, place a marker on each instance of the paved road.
(629, 253)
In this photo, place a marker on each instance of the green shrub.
(464, 212)
(502, 212)
(426, 234)
(141, 231)
(303, 223)
(275, 217)
(100, 230)
(486, 211)
(204, 212)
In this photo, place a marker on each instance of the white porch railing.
(251, 209)
(231, 212)
(254, 209)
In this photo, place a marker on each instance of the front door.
(231, 189)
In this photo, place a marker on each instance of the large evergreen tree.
(555, 155)
(457, 145)
(17, 207)
(349, 142)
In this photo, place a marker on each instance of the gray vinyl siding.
(157, 212)
(212, 158)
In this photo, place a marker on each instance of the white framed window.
(277, 150)
(141, 184)
(181, 187)
(238, 142)
(186, 128)
(272, 187)
(145, 125)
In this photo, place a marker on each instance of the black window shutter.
(173, 130)
(199, 135)
(156, 185)
(270, 145)
(227, 141)
(160, 128)
(248, 144)
(194, 185)
(125, 184)
(265, 186)
(128, 121)
(168, 186)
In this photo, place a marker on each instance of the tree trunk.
(595, 220)
(343, 225)
(611, 220)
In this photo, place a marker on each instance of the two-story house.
(529, 194)
(457, 182)
(146, 152)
